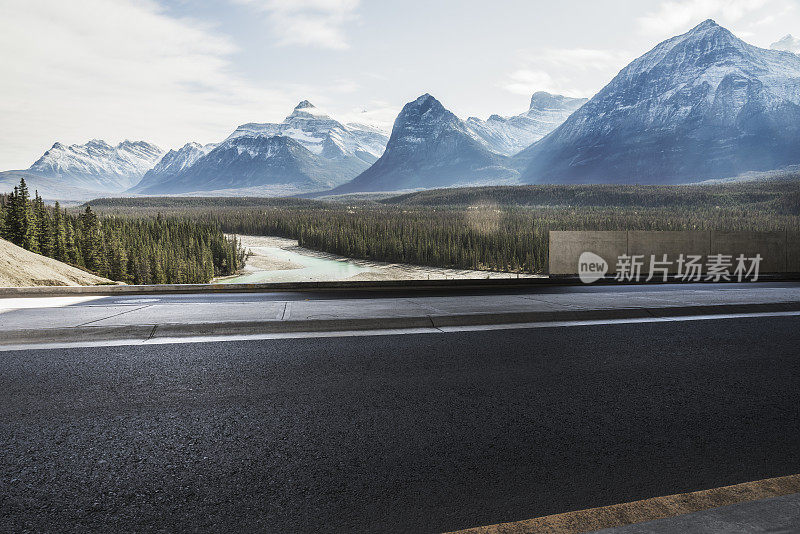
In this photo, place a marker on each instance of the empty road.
(397, 433)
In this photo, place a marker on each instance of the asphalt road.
(407, 433)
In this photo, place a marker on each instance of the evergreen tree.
(44, 226)
(118, 261)
(71, 252)
(137, 249)
(27, 219)
(59, 237)
(92, 243)
(13, 218)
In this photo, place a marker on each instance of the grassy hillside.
(20, 268)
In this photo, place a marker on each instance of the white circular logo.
(591, 267)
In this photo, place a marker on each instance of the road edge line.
(178, 330)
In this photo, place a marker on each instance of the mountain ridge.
(701, 105)
(96, 165)
(430, 147)
(511, 135)
(307, 152)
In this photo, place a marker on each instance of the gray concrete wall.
(793, 252)
(772, 246)
(780, 251)
(565, 247)
(673, 244)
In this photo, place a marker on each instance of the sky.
(174, 71)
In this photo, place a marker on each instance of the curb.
(429, 322)
(653, 509)
(386, 285)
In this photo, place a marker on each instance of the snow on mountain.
(787, 44)
(321, 134)
(308, 151)
(510, 135)
(698, 106)
(97, 165)
(172, 164)
(431, 147)
(277, 162)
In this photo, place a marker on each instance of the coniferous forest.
(487, 228)
(145, 250)
(181, 239)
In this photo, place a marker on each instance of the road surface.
(399, 433)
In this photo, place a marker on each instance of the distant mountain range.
(97, 165)
(703, 105)
(308, 151)
(278, 164)
(171, 164)
(699, 106)
(510, 135)
(321, 134)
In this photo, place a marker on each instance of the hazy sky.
(172, 71)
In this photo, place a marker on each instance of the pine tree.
(71, 252)
(118, 261)
(59, 239)
(44, 230)
(27, 219)
(13, 218)
(92, 245)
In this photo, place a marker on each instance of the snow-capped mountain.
(431, 147)
(321, 134)
(308, 151)
(97, 165)
(701, 105)
(510, 135)
(275, 163)
(787, 44)
(172, 164)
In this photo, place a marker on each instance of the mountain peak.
(423, 105)
(542, 100)
(788, 43)
(701, 105)
(305, 110)
(305, 104)
(709, 29)
(706, 25)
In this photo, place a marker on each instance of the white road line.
(385, 332)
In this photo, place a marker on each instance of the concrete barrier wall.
(673, 244)
(793, 252)
(566, 247)
(780, 251)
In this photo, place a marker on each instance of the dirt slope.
(20, 268)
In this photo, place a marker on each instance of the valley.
(277, 259)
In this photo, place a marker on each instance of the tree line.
(149, 250)
(497, 228)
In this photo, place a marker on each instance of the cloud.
(117, 69)
(787, 44)
(563, 70)
(307, 22)
(527, 82)
(677, 16)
